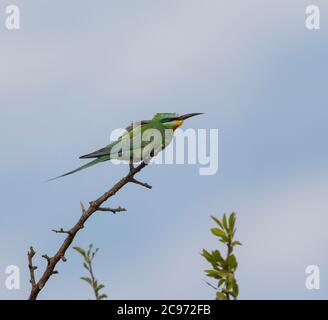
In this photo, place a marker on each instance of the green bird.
(141, 141)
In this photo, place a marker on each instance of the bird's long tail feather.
(89, 164)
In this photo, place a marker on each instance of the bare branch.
(71, 233)
(61, 230)
(30, 255)
(47, 258)
(113, 210)
(82, 207)
(144, 184)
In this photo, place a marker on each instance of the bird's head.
(173, 120)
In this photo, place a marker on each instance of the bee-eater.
(136, 144)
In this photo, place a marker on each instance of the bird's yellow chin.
(177, 124)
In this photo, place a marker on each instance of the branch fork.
(94, 206)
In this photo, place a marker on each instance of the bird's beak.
(188, 115)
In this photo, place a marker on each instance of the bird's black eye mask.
(169, 119)
(183, 117)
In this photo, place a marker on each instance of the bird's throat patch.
(177, 124)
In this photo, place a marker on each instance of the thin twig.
(30, 255)
(61, 230)
(146, 185)
(209, 284)
(93, 280)
(86, 214)
(82, 207)
(47, 258)
(113, 210)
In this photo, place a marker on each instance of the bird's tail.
(89, 164)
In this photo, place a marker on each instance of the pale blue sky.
(77, 70)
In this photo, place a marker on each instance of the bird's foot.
(131, 166)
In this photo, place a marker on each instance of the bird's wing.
(130, 139)
(136, 124)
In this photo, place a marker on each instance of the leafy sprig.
(88, 256)
(224, 268)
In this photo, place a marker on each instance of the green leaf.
(89, 250)
(224, 221)
(87, 280)
(232, 261)
(237, 243)
(101, 286)
(224, 239)
(217, 221)
(235, 290)
(103, 296)
(221, 282)
(85, 266)
(207, 255)
(214, 258)
(216, 255)
(94, 253)
(212, 274)
(230, 282)
(80, 250)
(218, 232)
(217, 274)
(232, 220)
(221, 296)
